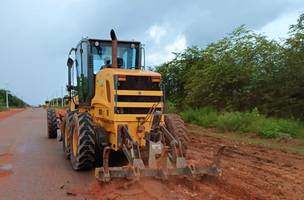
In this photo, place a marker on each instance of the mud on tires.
(66, 130)
(176, 126)
(52, 123)
(82, 142)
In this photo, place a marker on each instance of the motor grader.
(118, 108)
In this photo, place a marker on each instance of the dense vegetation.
(243, 72)
(13, 100)
(252, 122)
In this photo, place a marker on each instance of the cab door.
(82, 72)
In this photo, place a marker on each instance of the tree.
(242, 72)
(13, 100)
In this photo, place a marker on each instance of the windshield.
(102, 57)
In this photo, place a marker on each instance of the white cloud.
(156, 32)
(179, 44)
(278, 28)
(164, 53)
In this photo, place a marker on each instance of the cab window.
(127, 57)
(102, 57)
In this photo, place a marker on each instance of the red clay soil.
(4, 173)
(4, 160)
(8, 113)
(7, 158)
(249, 172)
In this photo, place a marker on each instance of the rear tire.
(66, 130)
(176, 126)
(82, 142)
(52, 123)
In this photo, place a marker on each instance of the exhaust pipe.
(114, 49)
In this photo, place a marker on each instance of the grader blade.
(128, 172)
(105, 174)
(166, 158)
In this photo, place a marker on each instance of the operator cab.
(128, 54)
(93, 55)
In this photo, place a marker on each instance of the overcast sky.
(36, 35)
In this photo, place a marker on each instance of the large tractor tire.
(66, 130)
(82, 142)
(176, 126)
(52, 123)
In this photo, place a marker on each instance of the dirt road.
(34, 168)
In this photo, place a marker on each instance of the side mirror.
(70, 62)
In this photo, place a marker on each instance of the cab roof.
(91, 40)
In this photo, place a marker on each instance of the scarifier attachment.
(165, 158)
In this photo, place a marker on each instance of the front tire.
(82, 142)
(52, 123)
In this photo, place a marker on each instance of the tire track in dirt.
(270, 171)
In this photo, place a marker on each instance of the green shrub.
(206, 117)
(245, 122)
(273, 128)
(2, 104)
(209, 120)
(235, 121)
(170, 107)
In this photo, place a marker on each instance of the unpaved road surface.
(34, 168)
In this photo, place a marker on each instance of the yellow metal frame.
(103, 104)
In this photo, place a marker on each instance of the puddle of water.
(6, 170)
(6, 167)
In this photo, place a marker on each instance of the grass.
(245, 122)
(244, 139)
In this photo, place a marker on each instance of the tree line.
(57, 102)
(241, 72)
(12, 99)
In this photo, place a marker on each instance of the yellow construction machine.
(116, 121)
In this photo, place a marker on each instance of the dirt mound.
(144, 189)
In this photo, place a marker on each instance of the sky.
(36, 35)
